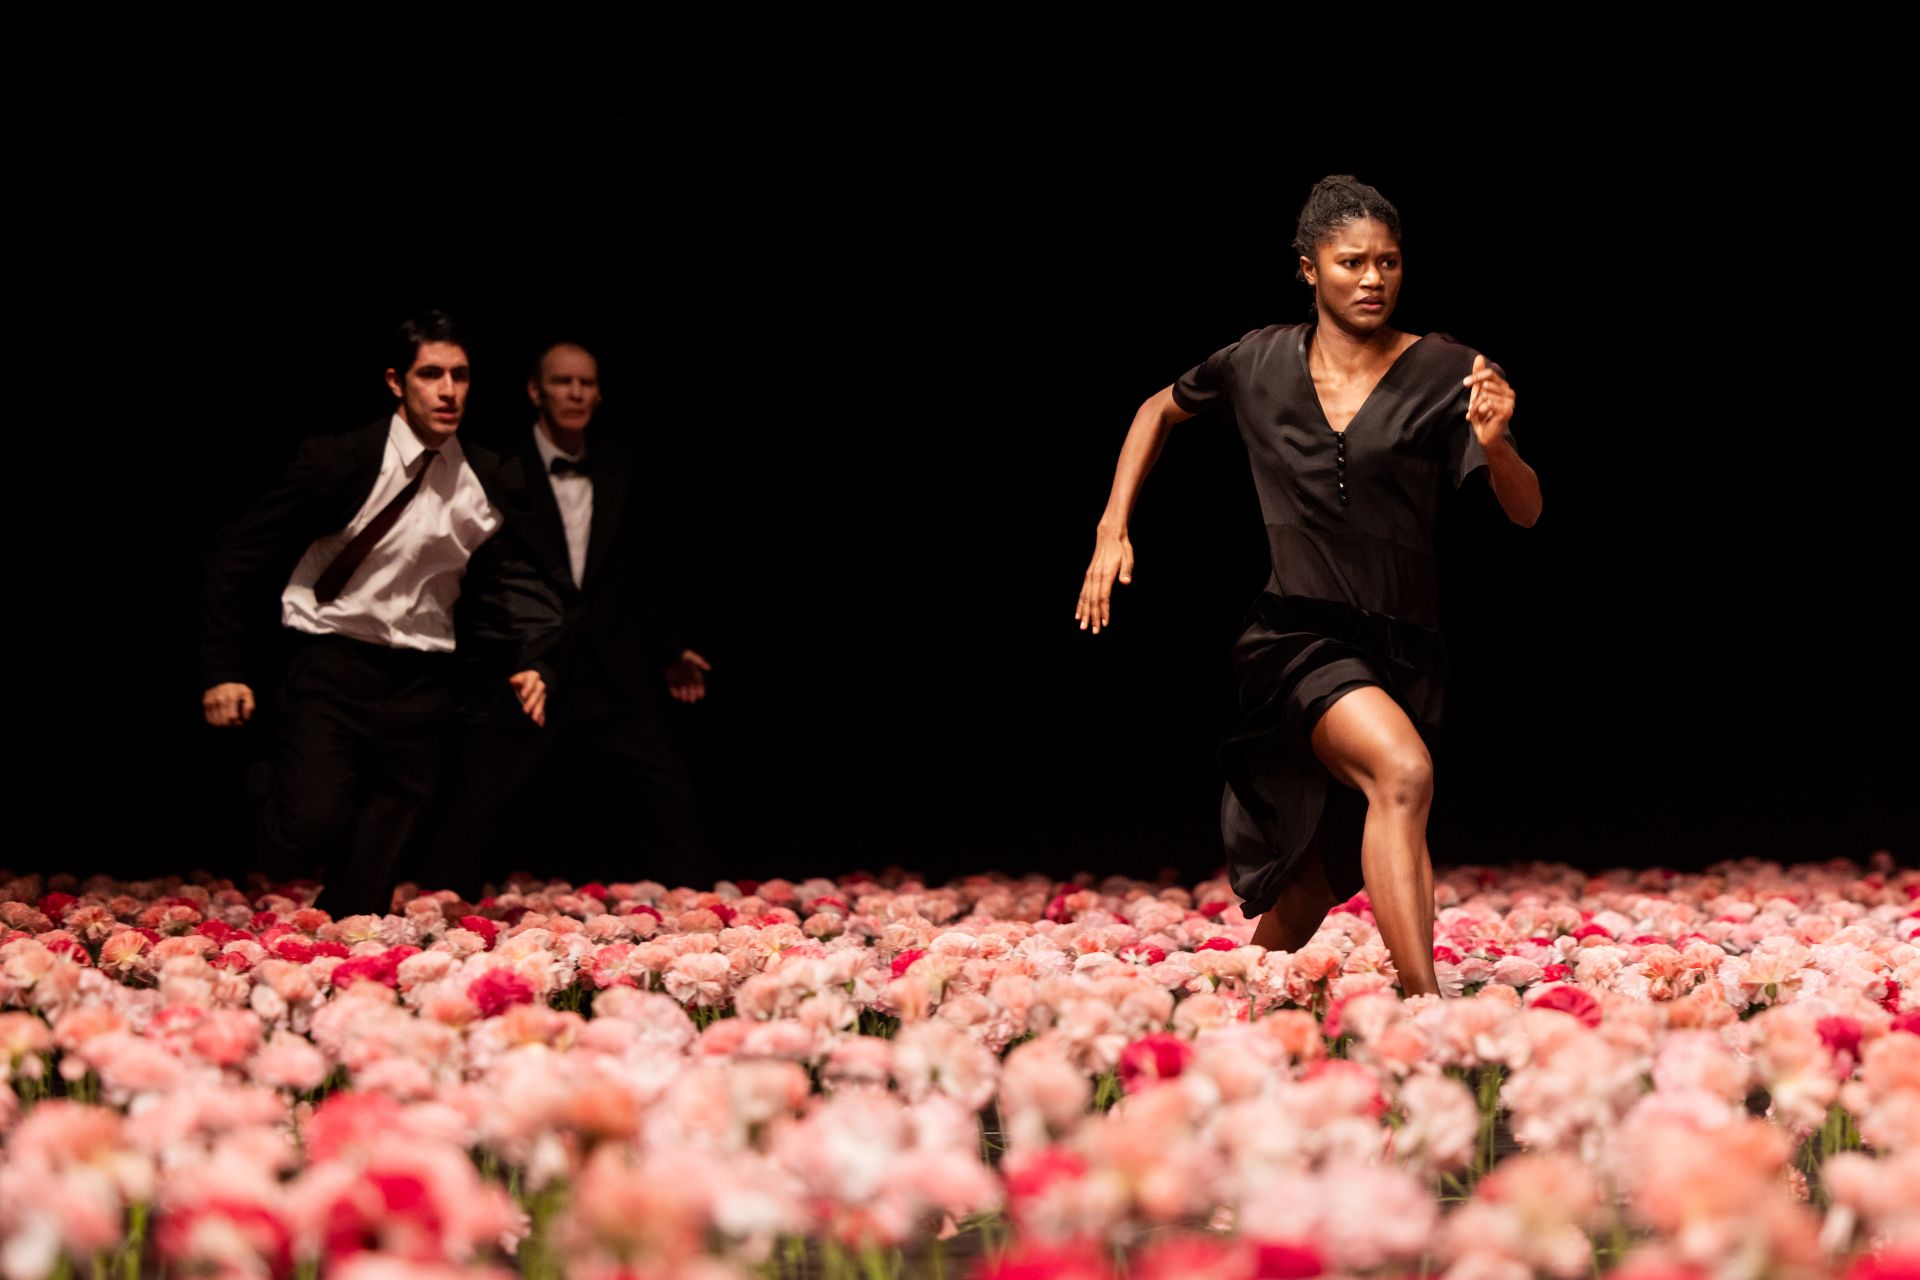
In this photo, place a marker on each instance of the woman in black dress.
(1356, 432)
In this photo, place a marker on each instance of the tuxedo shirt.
(573, 494)
(402, 595)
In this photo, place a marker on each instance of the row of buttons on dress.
(1340, 465)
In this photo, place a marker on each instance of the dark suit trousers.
(589, 797)
(359, 734)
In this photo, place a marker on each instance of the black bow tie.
(562, 465)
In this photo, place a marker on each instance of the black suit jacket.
(507, 617)
(621, 625)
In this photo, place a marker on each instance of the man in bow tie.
(594, 533)
(380, 551)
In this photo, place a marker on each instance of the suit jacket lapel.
(612, 478)
(364, 451)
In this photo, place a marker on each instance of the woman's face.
(1356, 275)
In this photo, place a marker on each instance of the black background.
(883, 305)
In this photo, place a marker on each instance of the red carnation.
(1555, 973)
(1212, 909)
(1288, 1260)
(1029, 1260)
(1446, 954)
(904, 961)
(71, 948)
(1593, 931)
(1842, 1038)
(1888, 1264)
(1569, 1000)
(54, 905)
(1221, 943)
(593, 890)
(1358, 904)
(498, 990)
(362, 969)
(1153, 1058)
(404, 1219)
(487, 929)
(1036, 1173)
(267, 1237)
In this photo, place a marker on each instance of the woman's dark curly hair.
(1334, 202)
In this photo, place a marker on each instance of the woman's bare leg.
(1367, 742)
(1290, 923)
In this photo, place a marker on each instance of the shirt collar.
(549, 451)
(408, 443)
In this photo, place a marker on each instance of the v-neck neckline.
(1306, 370)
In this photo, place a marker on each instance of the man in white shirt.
(372, 543)
(590, 529)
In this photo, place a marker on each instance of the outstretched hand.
(687, 676)
(1489, 403)
(532, 692)
(1112, 556)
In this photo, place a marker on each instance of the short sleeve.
(1205, 385)
(1464, 454)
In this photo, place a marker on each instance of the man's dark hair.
(547, 344)
(1335, 201)
(403, 346)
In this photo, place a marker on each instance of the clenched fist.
(226, 705)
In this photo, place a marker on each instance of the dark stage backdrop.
(883, 309)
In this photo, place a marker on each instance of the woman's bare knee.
(1366, 741)
(1403, 779)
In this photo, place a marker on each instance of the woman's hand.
(1489, 403)
(1112, 554)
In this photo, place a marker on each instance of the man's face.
(566, 391)
(433, 393)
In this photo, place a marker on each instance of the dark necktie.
(334, 580)
(562, 465)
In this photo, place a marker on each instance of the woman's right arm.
(1112, 552)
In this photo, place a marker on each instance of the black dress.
(1352, 597)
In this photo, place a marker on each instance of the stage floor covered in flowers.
(1631, 1073)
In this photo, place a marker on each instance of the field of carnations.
(1633, 1074)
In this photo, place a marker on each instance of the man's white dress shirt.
(573, 493)
(403, 593)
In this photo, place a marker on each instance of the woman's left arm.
(1489, 410)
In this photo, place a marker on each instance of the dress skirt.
(1295, 658)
